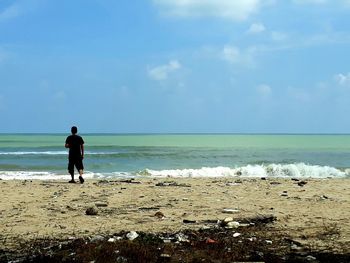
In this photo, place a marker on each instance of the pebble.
(159, 215)
(97, 238)
(186, 221)
(295, 247)
(310, 258)
(236, 234)
(112, 240)
(182, 237)
(101, 204)
(92, 211)
(227, 220)
(132, 235)
(229, 211)
(302, 183)
(232, 224)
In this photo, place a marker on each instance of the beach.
(315, 212)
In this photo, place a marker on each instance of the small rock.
(268, 242)
(132, 235)
(159, 215)
(229, 211)
(92, 211)
(227, 220)
(232, 224)
(111, 240)
(210, 241)
(236, 234)
(182, 237)
(251, 239)
(186, 221)
(295, 247)
(275, 183)
(310, 258)
(101, 204)
(165, 256)
(97, 238)
(302, 183)
(285, 193)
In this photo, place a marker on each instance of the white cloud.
(228, 9)
(10, 12)
(256, 28)
(264, 90)
(343, 80)
(162, 72)
(310, 1)
(234, 55)
(231, 54)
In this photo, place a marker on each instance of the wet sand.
(316, 213)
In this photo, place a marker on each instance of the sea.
(109, 156)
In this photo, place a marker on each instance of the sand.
(316, 214)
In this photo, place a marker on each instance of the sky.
(175, 66)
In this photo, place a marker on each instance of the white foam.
(53, 153)
(299, 170)
(32, 175)
(272, 170)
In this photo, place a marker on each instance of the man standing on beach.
(75, 143)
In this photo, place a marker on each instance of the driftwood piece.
(259, 219)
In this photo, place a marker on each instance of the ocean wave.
(34, 153)
(40, 175)
(298, 170)
(54, 153)
(52, 176)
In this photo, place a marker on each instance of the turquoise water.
(114, 155)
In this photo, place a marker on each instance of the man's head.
(74, 130)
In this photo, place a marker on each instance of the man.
(76, 154)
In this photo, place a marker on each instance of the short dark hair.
(74, 130)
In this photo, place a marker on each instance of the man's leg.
(71, 170)
(80, 168)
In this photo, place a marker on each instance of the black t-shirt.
(74, 141)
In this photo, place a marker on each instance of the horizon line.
(172, 133)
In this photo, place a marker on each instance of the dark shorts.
(77, 162)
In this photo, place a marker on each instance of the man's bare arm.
(66, 145)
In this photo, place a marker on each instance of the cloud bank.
(162, 72)
(227, 9)
(343, 80)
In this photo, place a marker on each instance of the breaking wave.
(299, 170)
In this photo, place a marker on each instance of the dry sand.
(316, 214)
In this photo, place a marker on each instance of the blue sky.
(175, 66)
